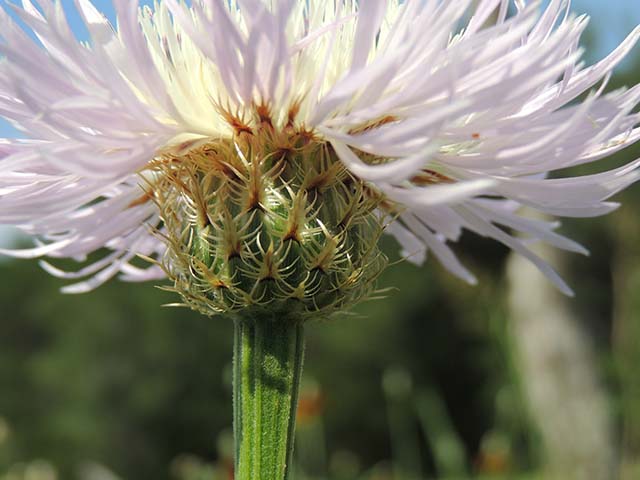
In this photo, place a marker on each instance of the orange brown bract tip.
(292, 113)
(374, 124)
(430, 177)
(263, 112)
(141, 200)
(236, 120)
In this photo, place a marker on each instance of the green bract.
(267, 220)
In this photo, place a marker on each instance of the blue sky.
(611, 21)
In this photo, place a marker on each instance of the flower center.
(268, 219)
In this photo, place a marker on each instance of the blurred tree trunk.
(559, 376)
(626, 334)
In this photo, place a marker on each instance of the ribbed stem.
(268, 356)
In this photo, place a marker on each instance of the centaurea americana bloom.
(256, 150)
(444, 118)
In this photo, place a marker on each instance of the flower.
(448, 116)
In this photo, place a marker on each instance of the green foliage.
(112, 377)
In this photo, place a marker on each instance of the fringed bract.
(269, 219)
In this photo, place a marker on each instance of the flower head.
(290, 133)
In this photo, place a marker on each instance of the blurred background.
(506, 380)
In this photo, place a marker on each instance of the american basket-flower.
(255, 151)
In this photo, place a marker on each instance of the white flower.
(464, 123)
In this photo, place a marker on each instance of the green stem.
(268, 355)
